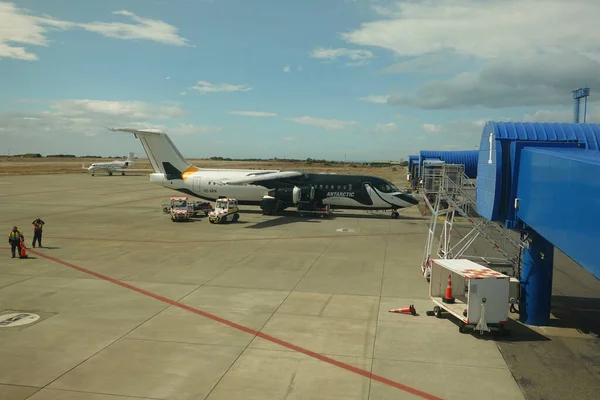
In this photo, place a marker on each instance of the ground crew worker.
(14, 238)
(37, 231)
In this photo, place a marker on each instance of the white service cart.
(480, 295)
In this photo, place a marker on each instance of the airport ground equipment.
(539, 179)
(448, 195)
(226, 210)
(308, 208)
(474, 294)
(180, 209)
(467, 158)
(195, 206)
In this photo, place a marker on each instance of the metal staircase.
(447, 191)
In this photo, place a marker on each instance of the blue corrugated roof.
(588, 134)
(468, 158)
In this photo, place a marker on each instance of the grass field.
(11, 166)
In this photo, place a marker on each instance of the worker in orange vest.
(37, 231)
(14, 238)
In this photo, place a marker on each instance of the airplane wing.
(262, 177)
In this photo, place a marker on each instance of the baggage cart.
(479, 295)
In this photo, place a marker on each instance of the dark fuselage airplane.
(272, 190)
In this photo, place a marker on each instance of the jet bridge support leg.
(536, 281)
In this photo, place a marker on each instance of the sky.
(328, 79)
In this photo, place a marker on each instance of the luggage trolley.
(479, 295)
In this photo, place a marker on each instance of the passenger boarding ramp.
(447, 191)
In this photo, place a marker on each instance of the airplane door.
(197, 184)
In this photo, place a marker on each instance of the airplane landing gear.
(395, 214)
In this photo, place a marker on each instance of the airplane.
(272, 190)
(115, 166)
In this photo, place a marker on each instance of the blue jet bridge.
(543, 179)
(468, 158)
(413, 170)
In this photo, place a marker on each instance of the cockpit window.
(388, 188)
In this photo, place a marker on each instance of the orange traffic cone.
(448, 297)
(405, 310)
(23, 251)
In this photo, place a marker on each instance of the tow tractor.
(181, 209)
(226, 210)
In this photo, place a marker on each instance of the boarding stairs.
(447, 191)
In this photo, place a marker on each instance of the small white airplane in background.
(115, 166)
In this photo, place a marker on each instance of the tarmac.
(134, 306)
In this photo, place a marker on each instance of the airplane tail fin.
(161, 152)
(130, 156)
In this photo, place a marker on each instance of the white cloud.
(146, 29)
(135, 110)
(384, 129)
(529, 55)
(357, 57)
(20, 27)
(183, 93)
(79, 126)
(484, 29)
(188, 129)
(286, 68)
(253, 113)
(376, 99)
(427, 64)
(168, 77)
(433, 128)
(207, 87)
(327, 124)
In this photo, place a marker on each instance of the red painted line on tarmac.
(87, 208)
(93, 239)
(242, 328)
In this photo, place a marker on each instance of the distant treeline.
(274, 159)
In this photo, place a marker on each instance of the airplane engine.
(293, 195)
(126, 163)
(280, 199)
(306, 193)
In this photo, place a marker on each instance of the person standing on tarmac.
(37, 231)
(14, 238)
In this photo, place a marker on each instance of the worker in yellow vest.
(14, 238)
(38, 224)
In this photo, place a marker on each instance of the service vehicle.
(225, 210)
(196, 207)
(181, 209)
